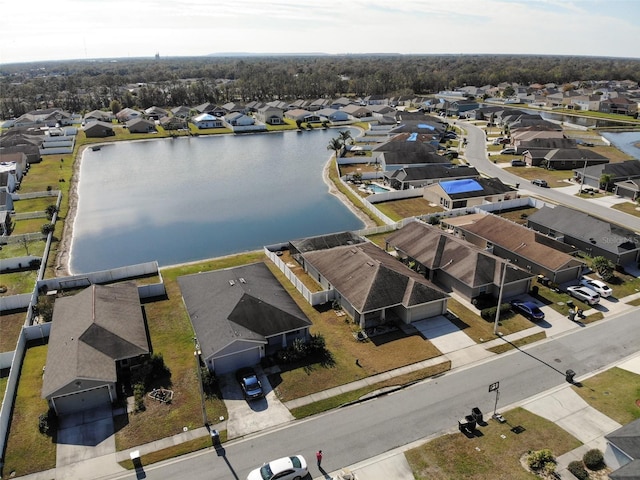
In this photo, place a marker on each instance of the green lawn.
(628, 207)
(29, 451)
(410, 207)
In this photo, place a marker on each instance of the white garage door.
(233, 362)
(86, 400)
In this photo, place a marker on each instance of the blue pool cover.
(460, 186)
(412, 138)
(428, 127)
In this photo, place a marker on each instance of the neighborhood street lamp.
(504, 274)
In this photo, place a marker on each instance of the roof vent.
(371, 264)
(242, 280)
(232, 283)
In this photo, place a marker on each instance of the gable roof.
(438, 250)
(574, 223)
(574, 154)
(626, 169)
(413, 158)
(627, 439)
(522, 241)
(323, 242)
(241, 303)
(473, 187)
(90, 331)
(371, 279)
(436, 171)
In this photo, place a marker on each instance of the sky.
(35, 30)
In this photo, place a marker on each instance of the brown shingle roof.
(371, 279)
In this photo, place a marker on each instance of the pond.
(188, 199)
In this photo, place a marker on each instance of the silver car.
(585, 294)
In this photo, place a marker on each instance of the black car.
(528, 309)
(250, 383)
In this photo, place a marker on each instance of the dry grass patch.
(409, 207)
(505, 347)
(628, 207)
(555, 178)
(481, 330)
(299, 272)
(613, 392)
(379, 354)
(518, 215)
(489, 456)
(11, 323)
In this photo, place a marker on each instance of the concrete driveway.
(251, 416)
(85, 435)
(444, 335)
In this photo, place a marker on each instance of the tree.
(605, 181)
(51, 210)
(345, 136)
(336, 145)
(115, 106)
(47, 228)
(603, 267)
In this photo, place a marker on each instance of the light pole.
(196, 355)
(504, 274)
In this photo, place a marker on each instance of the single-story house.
(589, 234)
(206, 120)
(19, 158)
(333, 115)
(417, 177)
(299, 114)
(5, 217)
(543, 144)
(357, 112)
(240, 315)
(237, 119)
(374, 287)
(395, 160)
(620, 105)
(155, 113)
(181, 112)
(618, 172)
(98, 115)
(456, 265)
(50, 117)
(570, 158)
(410, 142)
(97, 337)
(173, 122)
(141, 125)
(623, 452)
(628, 188)
(525, 248)
(452, 194)
(127, 114)
(8, 177)
(98, 129)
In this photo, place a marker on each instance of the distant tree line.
(83, 85)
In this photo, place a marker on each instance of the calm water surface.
(628, 142)
(189, 199)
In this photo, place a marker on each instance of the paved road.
(353, 434)
(476, 155)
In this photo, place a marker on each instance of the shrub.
(577, 470)
(593, 459)
(138, 396)
(490, 313)
(541, 460)
(48, 422)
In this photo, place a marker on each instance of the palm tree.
(345, 136)
(336, 145)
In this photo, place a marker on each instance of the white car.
(597, 286)
(584, 293)
(286, 468)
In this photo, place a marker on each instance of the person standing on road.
(319, 457)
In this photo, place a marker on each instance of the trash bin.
(471, 423)
(215, 437)
(572, 314)
(477, 414)
(569, 374)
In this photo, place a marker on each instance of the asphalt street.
(475, 154)
(353, 434)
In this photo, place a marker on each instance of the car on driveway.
(529, 309)
(518, 163)
(508, 151)
(250, 383)
(286, 468)
(597, 286)
(584, 293)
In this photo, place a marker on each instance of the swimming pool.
(375, 188)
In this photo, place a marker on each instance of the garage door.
(86, 400)
(233, 362)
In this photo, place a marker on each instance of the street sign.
(494, 386)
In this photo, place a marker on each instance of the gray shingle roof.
(242, 303)
(574, 223)
(627, 439)
(90, 331)
(322, 242)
